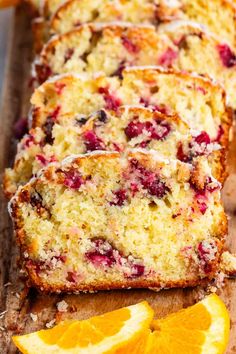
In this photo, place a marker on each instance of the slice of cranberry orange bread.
(219, 16)
(186, 46)
(98, 47)
(102, 221)
(76, 12)
(126, 128)
(195, 99)
(111, 47)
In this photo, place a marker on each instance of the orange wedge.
(121, 331)
(199, 329)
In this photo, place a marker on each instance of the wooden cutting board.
(20, 305)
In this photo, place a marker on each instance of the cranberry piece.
(149, 180)
(29, 140)
(137, 270)
(44, 73)
(68, 54)
(112, 102)
(20, 128)
(129, 46)
(72, 277)
(144, 144)
(203, 137)
(92, 141)
(144, 101)
(59, 86)
(43, 160)
(161, 108)
(160, 131)
(61, 258)
(181, 154)
(220, 133)
(206, 253)
(47, 129)
(54, 115)
(73, 179)
(228, 58)
(157, 189)
(157, 130)
(134, 129)
(120, 197)
(100, 259)
(134, 188)
(202, 207)
(36, 201)
(37, 266)
(120, 69)
(102, 255)
(168, 58)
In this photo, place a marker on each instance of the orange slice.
(200, 329)
(121, 331)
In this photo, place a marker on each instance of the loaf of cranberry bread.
(102, 221)
(126, 128)
(111, 47)
(195, 99)
(219, 16)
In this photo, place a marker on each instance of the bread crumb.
(50, 324)
(33, 317)
(62, 306)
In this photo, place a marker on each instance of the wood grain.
(18, 303)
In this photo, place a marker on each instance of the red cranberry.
(228, 58)
(206, 253)
(112, 102)
(160, 131)
(120, 197)
(73, 179)
(72, 277)
(134, 188)
(149, 180)
(36, 201)
(92, 141)
(157, 188)
(100, 259)
(161, 108)
(137, 270)
(54, 115)
(44, 73)
(203, 137)
(62, 258)
(144, 101)
(134, 129)
(220, 133)
(20, 128)
(181, 154)
(59, 86)
(47, 129)
(102, 254)
(131, 47)
(168, 58)
(202, 207)
(68, 54)
(120, 69)
(43, 160)
(28, 141)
